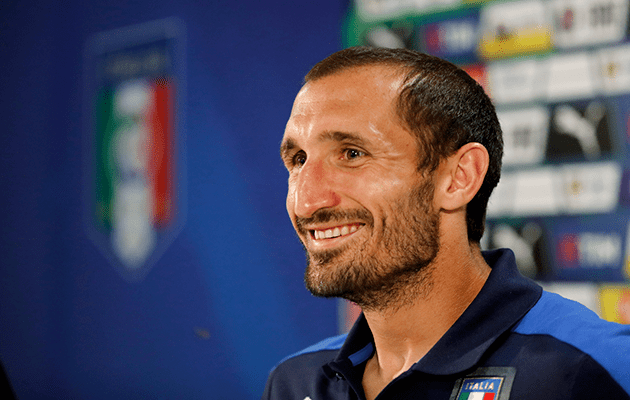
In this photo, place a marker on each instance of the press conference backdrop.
(146, 248)
(558, 72)
(146, 251)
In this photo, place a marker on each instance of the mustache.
(325, 215)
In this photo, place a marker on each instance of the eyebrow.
(286, 147)
(333, 136)
(336, 136)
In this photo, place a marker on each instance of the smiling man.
(392, 156)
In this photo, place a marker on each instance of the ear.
(460, 176)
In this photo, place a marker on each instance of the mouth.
(334, 232)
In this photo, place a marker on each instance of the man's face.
(356, 199)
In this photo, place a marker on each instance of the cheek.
(385, 196)
(384, 187)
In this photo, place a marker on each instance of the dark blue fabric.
(576, 325)
(557, 348)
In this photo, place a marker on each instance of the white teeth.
(333, 233)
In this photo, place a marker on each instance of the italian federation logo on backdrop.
(134, 163)
(492, 383)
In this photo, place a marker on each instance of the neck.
(404, 334)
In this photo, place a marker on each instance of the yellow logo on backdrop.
(615, 303)
(510, 43)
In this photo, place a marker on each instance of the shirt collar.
(504, 299)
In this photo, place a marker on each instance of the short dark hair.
(442, 105)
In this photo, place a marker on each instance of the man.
(392, 156)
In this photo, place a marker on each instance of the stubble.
(385, 271)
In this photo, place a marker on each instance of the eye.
(299, 158)
(352, 154)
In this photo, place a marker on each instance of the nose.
(314, 189)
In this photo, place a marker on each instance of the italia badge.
(492, 383)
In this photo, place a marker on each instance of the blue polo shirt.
(514, 341)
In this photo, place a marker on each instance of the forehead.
(347, 101)
(360, 86)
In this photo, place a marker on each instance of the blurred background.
(146, 251)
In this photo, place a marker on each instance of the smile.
(335, 232)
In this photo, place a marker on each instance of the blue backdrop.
(225, 301)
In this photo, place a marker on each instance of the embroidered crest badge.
(491, 383)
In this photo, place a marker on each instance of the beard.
(387, 273)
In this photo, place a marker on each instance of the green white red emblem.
(134, 174)
(492, 383)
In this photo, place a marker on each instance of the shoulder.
(569, 322)
(294, 375)
(333, 343)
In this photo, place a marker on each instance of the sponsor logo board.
(379, 10)
(528, 192)
(579, 131)
(524, 135)
(571, 76)
(527, 241)
(514, 28)
(589, 188)
(615, 303)
(453, 39)
(614, 69)
(515, 81)
(589, 249)
(370, 10)
(588, 22)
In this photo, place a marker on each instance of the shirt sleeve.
(592, 381)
